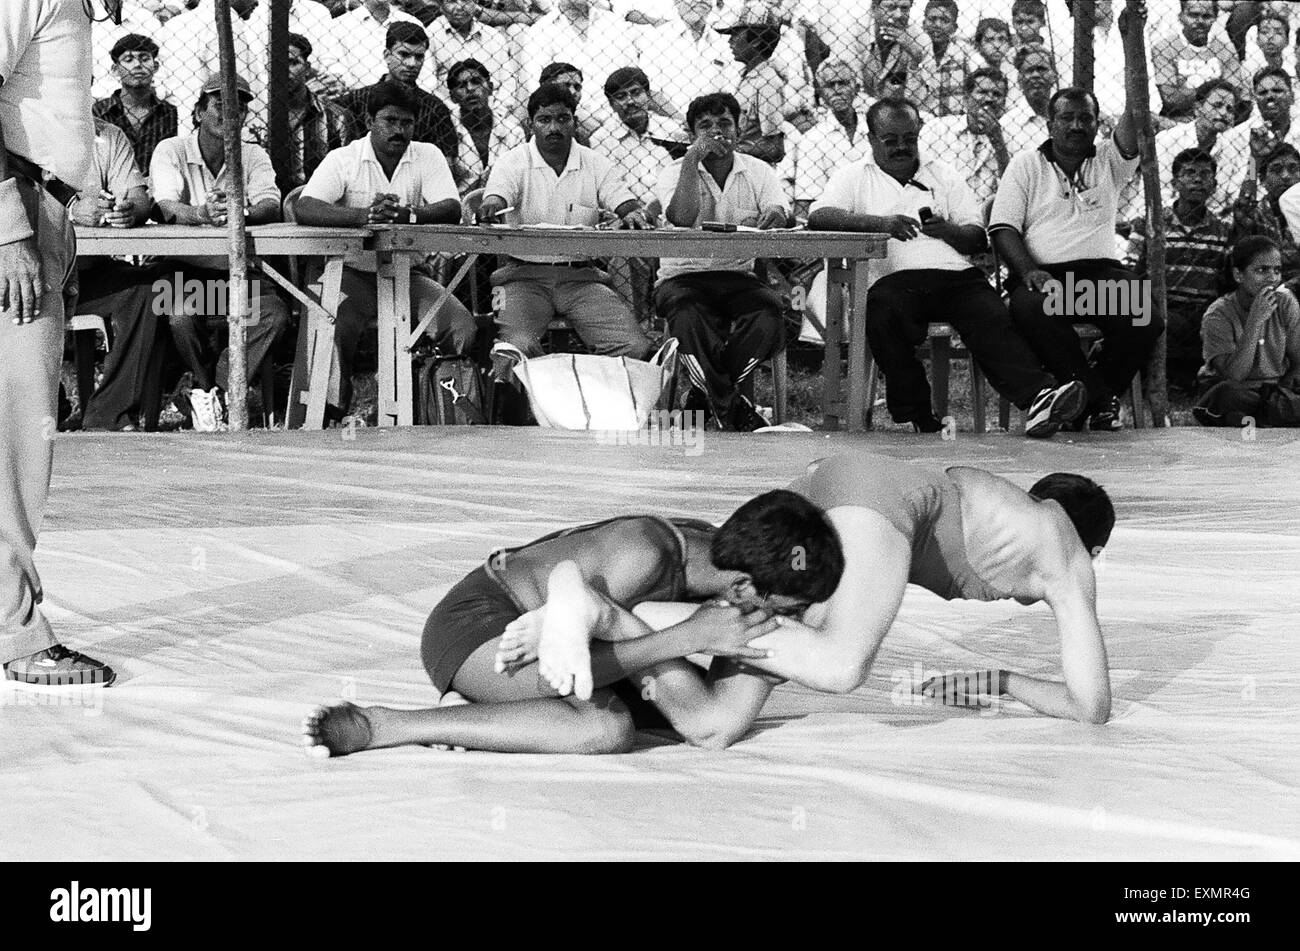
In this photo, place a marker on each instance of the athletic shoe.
(59, 666)
(1054, 407)
(927, 424)
(1106, 419)
(742, 417)
(207, 410)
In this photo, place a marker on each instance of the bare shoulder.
(1015, 542)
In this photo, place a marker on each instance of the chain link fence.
(804, 72)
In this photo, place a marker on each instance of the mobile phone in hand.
(925, 214)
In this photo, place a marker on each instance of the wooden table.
(315, 335)
(846, 253)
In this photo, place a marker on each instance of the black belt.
(63, 193)
(587, 263)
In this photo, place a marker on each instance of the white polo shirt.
(177, 172)
(1059, 221)
(751, 186)
(45, 100)
(589, 183)
(638, 157)
(863, 188)
(351, 176)
(113, 169)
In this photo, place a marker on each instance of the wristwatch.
(412, 218)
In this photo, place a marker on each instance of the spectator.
(1196, 249)
(934, 224)
(974, 143)
(570, 77)
(316, 125)
(405, 47)
(553, 179)
(1026, 118)
(509, 14)
(353, 38)
(1053, 220)
(106, 34)
(726, 320)
(135, 108)
(897, 48)
(688, 58)
(381, 178)
(189, 183)
(116, 197)
(946, 62)
(1252, 214)
(426, 11)
(761, 92)
(1252, 345)
(337, 8)
(993, 41)
(1029, 19)
(1185, 60)
(1215, 107)
(1272, 49)
(190, 40)
(840, 137)
(463, 36)
(640, 142)
(484, 135)
(1259, 136)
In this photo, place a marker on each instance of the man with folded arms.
(554, 180)
(381, 179)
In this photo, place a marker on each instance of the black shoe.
(1055, 407)
(1106, 419)
(743, 418)
(927, 424)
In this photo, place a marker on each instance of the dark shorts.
(475, 611)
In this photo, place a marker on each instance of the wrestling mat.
(235, 581)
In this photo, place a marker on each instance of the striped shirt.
(161, 123)
(323, 127)
(1194, 257)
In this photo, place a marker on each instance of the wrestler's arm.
(1071, 592)
(833, 648)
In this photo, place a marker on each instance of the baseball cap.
(736, 14)
(214, 83)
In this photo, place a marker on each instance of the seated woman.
(1251, 342)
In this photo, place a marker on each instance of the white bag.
(587, 391)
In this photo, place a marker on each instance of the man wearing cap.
(190, 185)
(135, 108)
(45, 139)
(754, 31)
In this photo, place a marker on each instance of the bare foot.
(518, 647)
(336, 731)
(572, 612)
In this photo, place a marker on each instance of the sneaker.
(504, 361)
(928, 423)
(1106, 419)
(1055, 407)
(59, 666)
(742, 417)
(207, 410)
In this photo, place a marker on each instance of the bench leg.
(780, 386)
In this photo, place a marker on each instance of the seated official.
(380, 179)
(726, 320)
(551, 179)
(1053, 225)
(934, 224)
(190, 186)
(1252, 345)
(122, 293)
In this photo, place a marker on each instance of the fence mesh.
(804, 72)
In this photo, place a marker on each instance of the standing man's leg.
(30, 359)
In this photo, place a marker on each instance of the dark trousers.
(124, 295)
(1127, 338)
(1230, 402)
(1183, 339)
(198, 329)
(900, 308)
(726, 324)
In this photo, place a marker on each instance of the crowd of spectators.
(950, 125)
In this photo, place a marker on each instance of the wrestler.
(961, 533)
(776, 554)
